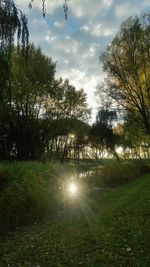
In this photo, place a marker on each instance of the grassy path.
(111, 230)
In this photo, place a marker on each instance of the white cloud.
(125, 9)
(90, 8)
(77, 43)
(128, 8)
(84, 28)
(99, 29)
(59, 24)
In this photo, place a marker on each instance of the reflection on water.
(91, 173)
(83, 175)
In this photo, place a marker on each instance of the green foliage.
(110, 230)
(43, 111)
(32, 190)
(135, 136)
(121, 172)
(102, 131)
(67, 102)
(12, 21)
(37, 112)
(32, 84)
(127, 63)
(28, 192)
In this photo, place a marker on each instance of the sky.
(76, 43)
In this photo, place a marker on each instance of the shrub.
(31, 190)
(4, 178)
(28, 193)
(118, 173)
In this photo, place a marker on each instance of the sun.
(72, 188)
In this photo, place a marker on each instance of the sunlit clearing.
(72, 189)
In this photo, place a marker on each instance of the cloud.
(124, 9)
(77, 43)
(59, 24)
(88, 8)
(100, 29)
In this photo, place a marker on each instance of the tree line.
(44, 117)
(38, 113)
(126, 89)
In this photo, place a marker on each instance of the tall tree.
(32, 86)
(66, 107)
(43, 110)
(127, 63)
(67, 102)
(102, 131)
(12, 21)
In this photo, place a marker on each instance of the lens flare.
(72, 189)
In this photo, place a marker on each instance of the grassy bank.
(31, 191)
(112, 229)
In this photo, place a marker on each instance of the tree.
(32, 86)
(67, 102)
(102, 131)
(66, 107)
(43, 110)
(68, 139)
(32, 82)
(127, 63)
(12, 21)
(135, 140)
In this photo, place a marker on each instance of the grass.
(112, 230)
(116, 173)
(28, 191)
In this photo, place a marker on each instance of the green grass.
(29, 191)
(112, 230)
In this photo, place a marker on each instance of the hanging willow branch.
(12, 21)
(65, 7)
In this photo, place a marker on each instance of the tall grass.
(29, 191)
(119, 173)
(113, 173)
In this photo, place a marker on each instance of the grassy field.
(109, 229)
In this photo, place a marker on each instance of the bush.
(28, 193)
(118, 173)
(4, 178)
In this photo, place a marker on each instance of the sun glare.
(72, 189)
